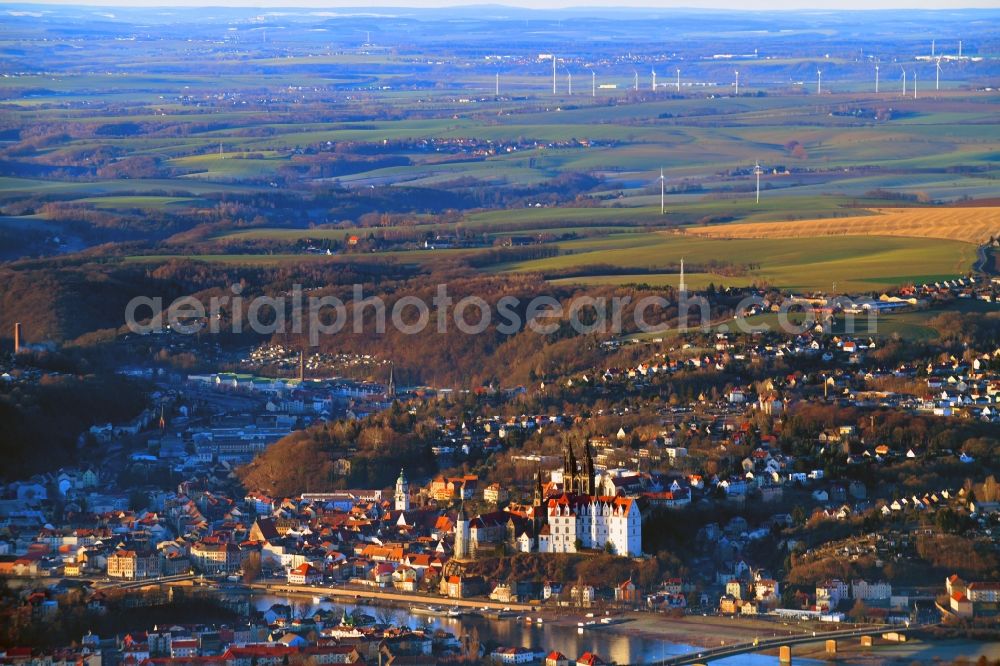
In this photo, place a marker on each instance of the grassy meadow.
(852, 263)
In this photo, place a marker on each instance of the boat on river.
(427, 610)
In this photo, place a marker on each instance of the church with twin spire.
(565, 516)
(578, 478)
(578, 517)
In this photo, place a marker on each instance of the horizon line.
(751, 6)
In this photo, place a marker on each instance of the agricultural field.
(841, 264)
(426, 258)
(140, 202)
(693, 281)
(966, 224)
(275, 152)
(868, 264)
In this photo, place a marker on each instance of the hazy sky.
(548, 4)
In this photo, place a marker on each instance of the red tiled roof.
(250, 651)
(183, 661)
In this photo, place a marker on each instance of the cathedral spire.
(589, 472)
(569, 470)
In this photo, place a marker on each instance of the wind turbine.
(653, 72)
(678, 79)
(876, 78)
(819, 82)
(497, 91)
(553, 73)
(635, 80)
(569, 82)
(662, 192)
(937, 74)
(757, 171)
(593, 83)
(904, 80)
(914, 84)
(737, 83)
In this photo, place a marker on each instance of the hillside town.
(464, 335)
(730, 448)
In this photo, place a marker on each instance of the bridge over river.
(721, 652)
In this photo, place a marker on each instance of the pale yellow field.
(970, 225)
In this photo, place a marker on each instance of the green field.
(692, 280)
(232, 259)
(416, 257)
(76, 190)
(251, 120)
(854, 263)
(696, 139)
(140, 202)
(846, 264)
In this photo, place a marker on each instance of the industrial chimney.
(17, 338)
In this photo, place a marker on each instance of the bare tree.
(251, 567)
(384, 616)
(473, 645)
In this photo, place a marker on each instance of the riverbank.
(557, 631)
(402, 599)
(644, 629)
(714, 631)
(694, 630)
(646, 637)
(705, 631)
(903, 654)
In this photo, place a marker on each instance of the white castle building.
(593, 522)
(564, 517)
